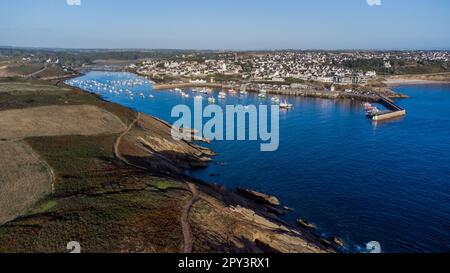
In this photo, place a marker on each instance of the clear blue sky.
(227, 24)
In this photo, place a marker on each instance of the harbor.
(392, 110)
(293, 91)
(332, 145)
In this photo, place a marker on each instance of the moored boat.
(286, 105)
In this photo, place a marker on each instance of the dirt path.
(35, 73)
(119, 139)
(185, 219)
(187, 246)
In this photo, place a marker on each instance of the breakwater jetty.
(394, 111)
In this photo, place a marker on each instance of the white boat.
(275, 100)
(178, 90)
(184, 95)
(222, 95)
(243, 92)
(372, 111)
(211, 100)
(286, 105)
(262, 95)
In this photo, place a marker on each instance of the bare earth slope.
(58, 120)
(24, 179)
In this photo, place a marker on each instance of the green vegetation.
(77, 57)
(291, 80)
(165, 185)
(287, 81)
(136, 222)
(224, 78)
(164, 79)
(25, 69)
(53, 71)
(399, 67)
(45, 206)
(377, 83)
(18, 88)
(421, 68)
(74, 160)
(367, 65)
(272, 82)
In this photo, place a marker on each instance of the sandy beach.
(397, 82)
(436, 78)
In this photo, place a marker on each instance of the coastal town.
(364, 76)
(358, 75)
(346, 74)
(325, 67)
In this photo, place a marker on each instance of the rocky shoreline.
(244, 204)
(251, 208)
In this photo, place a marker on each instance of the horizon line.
(212, 49)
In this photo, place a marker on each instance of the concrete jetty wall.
(390, 115)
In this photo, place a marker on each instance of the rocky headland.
(122, 187)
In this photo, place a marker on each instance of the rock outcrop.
(259, 197)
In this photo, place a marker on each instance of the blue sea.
(355, 179)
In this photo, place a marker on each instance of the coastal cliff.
(120, 187)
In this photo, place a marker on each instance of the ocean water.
(355, 179)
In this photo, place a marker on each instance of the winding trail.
(185, 218)
(187, 236)
(36, 73)
(119, 139)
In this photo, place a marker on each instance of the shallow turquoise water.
(355, 179)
